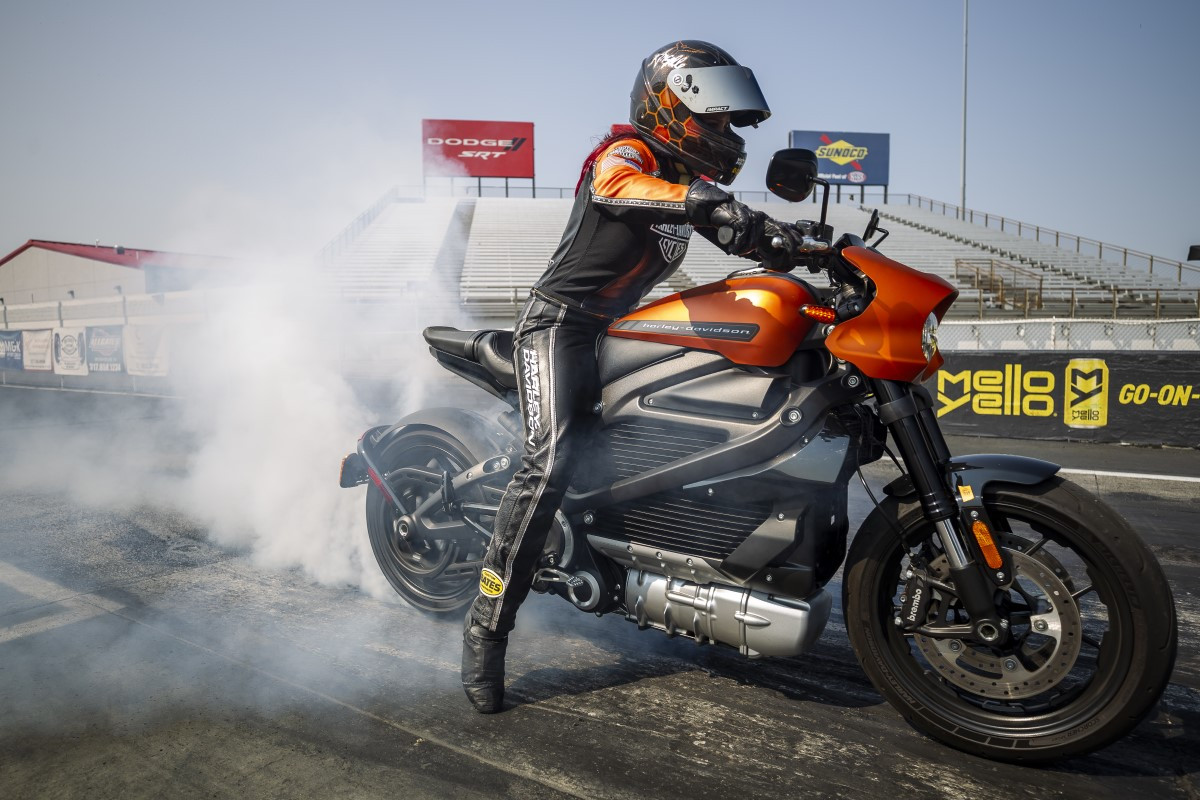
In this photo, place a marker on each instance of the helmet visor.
(712, 90)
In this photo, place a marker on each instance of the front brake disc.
(1045, 657)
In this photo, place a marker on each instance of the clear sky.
(235, 127)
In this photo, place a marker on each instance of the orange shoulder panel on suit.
(623, 170)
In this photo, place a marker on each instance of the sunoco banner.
(1136, 397)
(70, 351)
(844, 157)
(10, 350)
(146, 350)
(104, 349)
(37, 350)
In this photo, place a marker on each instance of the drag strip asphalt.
(140, 659)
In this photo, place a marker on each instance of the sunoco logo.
(1085, 399)
(841, 152)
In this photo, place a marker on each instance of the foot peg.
(582, 589)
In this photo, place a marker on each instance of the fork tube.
(901, 413)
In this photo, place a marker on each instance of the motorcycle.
(1000, 608)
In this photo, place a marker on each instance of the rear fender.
(481, 437)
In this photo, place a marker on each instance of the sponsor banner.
(10, 350)
(146, 350)
(845, 157)
(37, 350)
(70, 351)
(1135, 397)
(477, 148)
(105, 349)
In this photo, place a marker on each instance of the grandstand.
(486, 252)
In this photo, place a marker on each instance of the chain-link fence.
(1071, 334)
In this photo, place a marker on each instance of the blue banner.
(105, 349)
(844, 157)
(10, 350)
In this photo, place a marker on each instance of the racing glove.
(739, 228)
(781, 242)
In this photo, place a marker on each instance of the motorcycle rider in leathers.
(641, 193)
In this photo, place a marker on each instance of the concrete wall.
(40, 276)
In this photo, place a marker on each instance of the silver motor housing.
(756, 623)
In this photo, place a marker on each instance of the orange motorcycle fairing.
(753, 321)
(884, 341)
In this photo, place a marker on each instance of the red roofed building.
(41, 271)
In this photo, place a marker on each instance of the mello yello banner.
(1135, 397)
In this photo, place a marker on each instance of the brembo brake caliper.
(914, 603)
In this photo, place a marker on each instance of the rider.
(640, 193)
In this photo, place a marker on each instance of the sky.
(241, 128)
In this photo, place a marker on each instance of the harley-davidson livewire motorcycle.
(1000, 608)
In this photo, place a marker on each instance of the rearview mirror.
(792, 174)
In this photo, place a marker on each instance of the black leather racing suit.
(628, 230)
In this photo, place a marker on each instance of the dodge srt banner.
(10, 350)
(477, 149)
(843, 157)
(1135, 397)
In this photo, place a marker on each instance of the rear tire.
(1098, 669)
(430, 576)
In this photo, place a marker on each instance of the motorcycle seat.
(490, 349)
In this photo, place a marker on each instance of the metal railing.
(1067, 241)
(997, 277)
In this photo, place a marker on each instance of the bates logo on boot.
(490, 584)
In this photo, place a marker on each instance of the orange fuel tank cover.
(754, 321)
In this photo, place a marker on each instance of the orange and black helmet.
(683, 96)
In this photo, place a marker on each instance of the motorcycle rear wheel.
(1085, 579)
(438, 577)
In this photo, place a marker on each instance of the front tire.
(1093, 623)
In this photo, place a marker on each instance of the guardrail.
(1082, 244)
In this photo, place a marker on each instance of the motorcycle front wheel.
(1093, 630)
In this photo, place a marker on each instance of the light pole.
(963, 196)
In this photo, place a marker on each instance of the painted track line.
(1136, 475)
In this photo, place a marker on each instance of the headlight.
(929, 336)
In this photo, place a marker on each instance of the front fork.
(909, 417)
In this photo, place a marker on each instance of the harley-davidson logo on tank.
(845, 157)
(477, 148)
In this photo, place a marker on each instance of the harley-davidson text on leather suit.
(627, 231)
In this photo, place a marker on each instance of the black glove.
(779, 244)
(814, 229)
(739, 227)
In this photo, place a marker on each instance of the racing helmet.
(680, 100)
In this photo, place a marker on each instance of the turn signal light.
(984, 536)
(819, 313)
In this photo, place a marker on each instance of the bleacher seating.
(395, 254)
(1092, 279)
(495, 248)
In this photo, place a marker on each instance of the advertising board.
(476, 148)
(844, 157)
(1134, 397)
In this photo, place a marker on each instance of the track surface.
(137, 659)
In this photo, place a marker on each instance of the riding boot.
(483, 667)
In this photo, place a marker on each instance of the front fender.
(974, 472)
